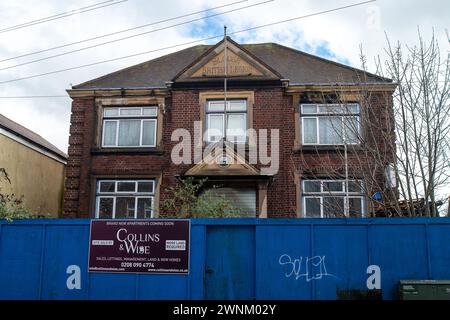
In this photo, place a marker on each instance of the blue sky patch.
(214, 27)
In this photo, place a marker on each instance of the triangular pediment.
(222, 159)
(241, 64)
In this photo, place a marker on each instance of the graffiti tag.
(310, 268)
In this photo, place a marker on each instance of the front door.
(230, 263)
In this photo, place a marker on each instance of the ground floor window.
(330, 199)
(125, 199)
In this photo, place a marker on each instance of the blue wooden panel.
(112, 286)
(265, 259)
(401, 253)
(278, 251)
(197, 262)
(20, 261)
(230, 264)
(439, 247)
(339, 260)
(163, 287)
(66, 245)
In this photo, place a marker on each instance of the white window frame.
(391, 178)
(142, 118)
(120, 194)
(152, 213)
(210, 131)
(222, 114)
(333, 194)
(318, 115)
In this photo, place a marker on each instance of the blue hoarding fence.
(234, 259)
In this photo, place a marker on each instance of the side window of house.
(125, 199)
(328, 199)
(233, 118)
(129, 127)
(330, 124)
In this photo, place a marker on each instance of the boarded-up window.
(243, 199)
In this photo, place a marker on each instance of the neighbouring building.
(35, 169)
(137, 131)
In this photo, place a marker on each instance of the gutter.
(377, 86)
(120, 92)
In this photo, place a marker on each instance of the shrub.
(211, 205)
(187, 203)
(11, 206)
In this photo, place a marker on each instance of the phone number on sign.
(137, 265)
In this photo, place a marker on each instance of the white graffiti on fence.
(311, 268)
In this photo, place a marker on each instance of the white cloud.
(341, 32)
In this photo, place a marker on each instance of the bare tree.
(422, 122)
(4, 175)
(403, 149)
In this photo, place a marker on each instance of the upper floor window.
(329, 199)
(330, 124)
(233, 118)
(129, 126)
(125, 199)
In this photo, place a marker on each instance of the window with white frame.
(328, 199)
(330, 124)
(125, 199)
(391, 178)
(129, 126)
(235, 120)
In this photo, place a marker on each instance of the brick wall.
(272, 110)
(78, 164)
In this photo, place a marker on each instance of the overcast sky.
(337, 36)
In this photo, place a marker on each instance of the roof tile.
(297, 66)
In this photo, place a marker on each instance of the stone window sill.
(339, 148)
(126, 151)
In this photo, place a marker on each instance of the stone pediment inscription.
(236, 66)
(241, 64)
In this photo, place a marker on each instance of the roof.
(297, 66)
(30, 136)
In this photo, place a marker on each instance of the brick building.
(327, 127)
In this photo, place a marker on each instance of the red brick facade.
(272, 109)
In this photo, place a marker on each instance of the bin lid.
(409, 282)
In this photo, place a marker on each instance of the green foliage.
(183, 197)
(212, 205)
(187, 203)
(11, 207)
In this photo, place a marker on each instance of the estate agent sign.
(139, 246)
